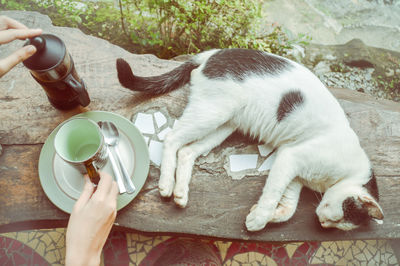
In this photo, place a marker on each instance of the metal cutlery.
(111, 136)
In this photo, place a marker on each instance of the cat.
(281, 103)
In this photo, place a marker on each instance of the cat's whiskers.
(318, 195)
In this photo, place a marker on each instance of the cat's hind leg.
(187, 156)
(288, 203)
(198, 119)
(283, 172)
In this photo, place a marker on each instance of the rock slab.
(218, 205)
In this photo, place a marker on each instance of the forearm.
(77, 259)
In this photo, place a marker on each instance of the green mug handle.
(92, 172)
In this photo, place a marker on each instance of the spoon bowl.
(111, 137)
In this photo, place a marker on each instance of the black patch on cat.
(239, 63)
(354, 211)
(290, 101)
(372, 186)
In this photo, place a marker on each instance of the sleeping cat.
(282, 104)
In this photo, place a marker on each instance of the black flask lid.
(50, 52)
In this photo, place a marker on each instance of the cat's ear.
(374, 210)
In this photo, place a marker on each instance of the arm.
(11, 30)
(90, 223)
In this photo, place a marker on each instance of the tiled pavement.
(47, 247)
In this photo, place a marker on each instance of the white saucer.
(69, 179)
(63, 184)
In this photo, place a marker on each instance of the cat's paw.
(282, 214)
(181, 196)
(165, 187)
(257, 219)
(181, 200)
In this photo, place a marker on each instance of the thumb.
(86, 193)
(17, 57)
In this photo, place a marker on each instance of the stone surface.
(218, 205)
(356, 66)
(376, 22)
(363, 33)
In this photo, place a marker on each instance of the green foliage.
(390, 85)
(339, 67)
(168, 28)
(173, 27)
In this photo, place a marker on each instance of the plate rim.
(140, 174)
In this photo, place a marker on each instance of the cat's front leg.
(187, 156)
(258, 217)
(197, 121)
(288, 203)
(174, 140)
(282, 173)
(167, 177)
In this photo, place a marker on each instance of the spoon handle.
(117, 173)
(130, 187)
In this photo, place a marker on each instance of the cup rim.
(79, 118)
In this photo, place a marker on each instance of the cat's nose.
(326, 224)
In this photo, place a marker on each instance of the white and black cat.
(282, 104)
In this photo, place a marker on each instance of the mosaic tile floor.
(47, 247)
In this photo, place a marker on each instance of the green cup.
(80, 143)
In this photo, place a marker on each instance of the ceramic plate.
(63, 184)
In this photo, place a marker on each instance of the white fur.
(314, 142)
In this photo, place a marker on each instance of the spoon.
(111, 136)
(113, 161)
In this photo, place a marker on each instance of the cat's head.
(349, 206)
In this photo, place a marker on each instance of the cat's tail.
(169, 81)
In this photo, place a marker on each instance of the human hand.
(11, 30)
(91, 220)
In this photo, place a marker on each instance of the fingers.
(9, 23)
(9, 35)
(104, 186)
(114, 191)
(86, 193)
(113, 200)
(18, 56)
(11, 30)
(107, 189)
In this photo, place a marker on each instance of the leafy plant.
(168, 28)
(173, 27)
(390, 85)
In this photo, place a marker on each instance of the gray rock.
(376, 23)
(218, 205)
(321, 68)
(354, 65)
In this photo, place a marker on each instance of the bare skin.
(11, 30)
(91, 221)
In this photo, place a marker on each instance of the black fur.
(372, 186)
(158, 84)
(355, 212)
(290, 101)
(238, 63)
